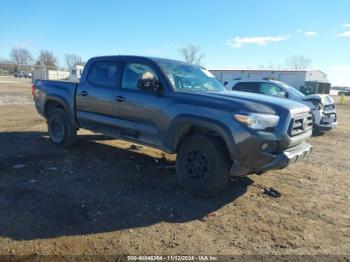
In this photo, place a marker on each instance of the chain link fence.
(41, 72)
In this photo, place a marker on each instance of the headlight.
(258, 121)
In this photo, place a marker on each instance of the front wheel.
(203, 165)
(61, 130)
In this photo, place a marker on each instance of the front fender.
(182, 124)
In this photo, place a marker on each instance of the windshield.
(189, 78)
(292, 90)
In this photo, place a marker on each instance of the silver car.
(322, 106)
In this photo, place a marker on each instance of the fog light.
(264, 146)
(268, 146)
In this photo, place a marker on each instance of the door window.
(271, 90)
(103, 74)
(136, 74)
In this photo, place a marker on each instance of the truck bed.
(57, 84)
(62, 92)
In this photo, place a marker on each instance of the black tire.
(203, 165)
(61, 130)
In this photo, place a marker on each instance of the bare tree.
(47, 58)
(73, 60)
(298, 62)
(21, 56)
(191, 54)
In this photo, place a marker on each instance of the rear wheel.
(61, 130)
(203, 165)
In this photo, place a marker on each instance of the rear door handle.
(119, 99)
(84, 93)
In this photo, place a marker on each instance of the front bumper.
(273, 160)
(325, 127)
(277, 161)
(328, 121)
(291, 156)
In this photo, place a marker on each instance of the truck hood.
(322, 98)
(257, 102)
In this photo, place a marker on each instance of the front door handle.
(119, 99)
(84, 93)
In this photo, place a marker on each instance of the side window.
(136, 74)
(251, 87)
(271, 90)
(103, 74)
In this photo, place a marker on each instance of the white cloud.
(299, 30)
(345, 25)
(310, 33)
(258, 40)
(344, 34)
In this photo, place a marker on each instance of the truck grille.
(300, 124)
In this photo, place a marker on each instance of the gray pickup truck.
(181, 109)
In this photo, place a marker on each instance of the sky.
(237, 34)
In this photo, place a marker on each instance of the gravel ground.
(106, 196)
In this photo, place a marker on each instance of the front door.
(140, 109)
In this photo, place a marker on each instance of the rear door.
(96, 94)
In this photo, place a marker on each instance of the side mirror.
(149, 84)
(282, 94)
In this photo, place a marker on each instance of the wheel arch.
(185, 126)
(58, 102)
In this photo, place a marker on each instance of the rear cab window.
(103, 74)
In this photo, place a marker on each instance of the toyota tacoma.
(181, 109)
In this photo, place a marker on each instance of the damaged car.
(322, 105)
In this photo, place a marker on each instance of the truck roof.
(154, 59)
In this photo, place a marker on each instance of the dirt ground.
(103, 197)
